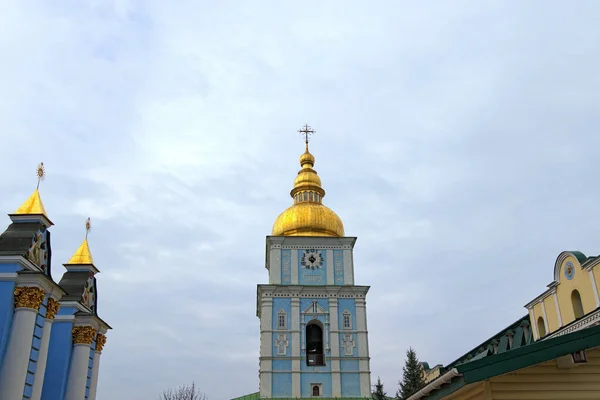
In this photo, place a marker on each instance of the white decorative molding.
(349, 344)
(281, 343)
(585, 322)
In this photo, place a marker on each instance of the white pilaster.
(78, 372)
(294, 266)
(18, 350)
(266, 347)
(336, 383)
(95, 371)
(363, 347)
(348, 268)
(41, 362)
(330, 267)
(594, 287)
(545, 317)
(295, 346)
(275, 266)
(560, 323)
(536, 335)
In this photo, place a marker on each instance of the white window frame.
(281, 314)
(348, 314)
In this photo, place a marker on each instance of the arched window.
(316, 391)
(577, 305)
(314, 344)
(541, 327)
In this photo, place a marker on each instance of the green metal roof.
(516, 335)
(526, 356)
(256, 396)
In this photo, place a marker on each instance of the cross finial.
(306, 131)
(41, 173)
(88, 227)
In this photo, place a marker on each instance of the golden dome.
(308, 216)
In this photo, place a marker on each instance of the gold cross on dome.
(306, 131)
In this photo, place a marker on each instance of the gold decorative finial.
(83, 255)
(41, 173)
(306, 131)
(88, 227)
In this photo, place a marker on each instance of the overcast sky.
(457, 140)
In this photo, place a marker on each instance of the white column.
(100, 341)
(41, 363)
(18, 349)
(80, 359)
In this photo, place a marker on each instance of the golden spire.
(308, 216)
(33, 205)
(83, 256)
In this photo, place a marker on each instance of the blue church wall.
(282, 385)
(349, 365)
(307, 379)
(338, 267)
(282, 365)
(308, 276)
(88, 380)
(350, 385)
(7, 309)
(59, 357)
(286, 267)
(36, 344)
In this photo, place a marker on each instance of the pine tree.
(378, 394)
(412, 376)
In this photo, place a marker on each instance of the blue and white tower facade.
(313, 319)
(51, 337)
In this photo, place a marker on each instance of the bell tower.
(313, 321)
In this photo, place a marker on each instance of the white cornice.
(8, 276)
(93, 321)
(589, 265)
(585, 322)
(313, 291)
(42, 281)
(31, 218)
(20, 260)
(64, 318)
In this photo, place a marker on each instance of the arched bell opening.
(314, 344)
